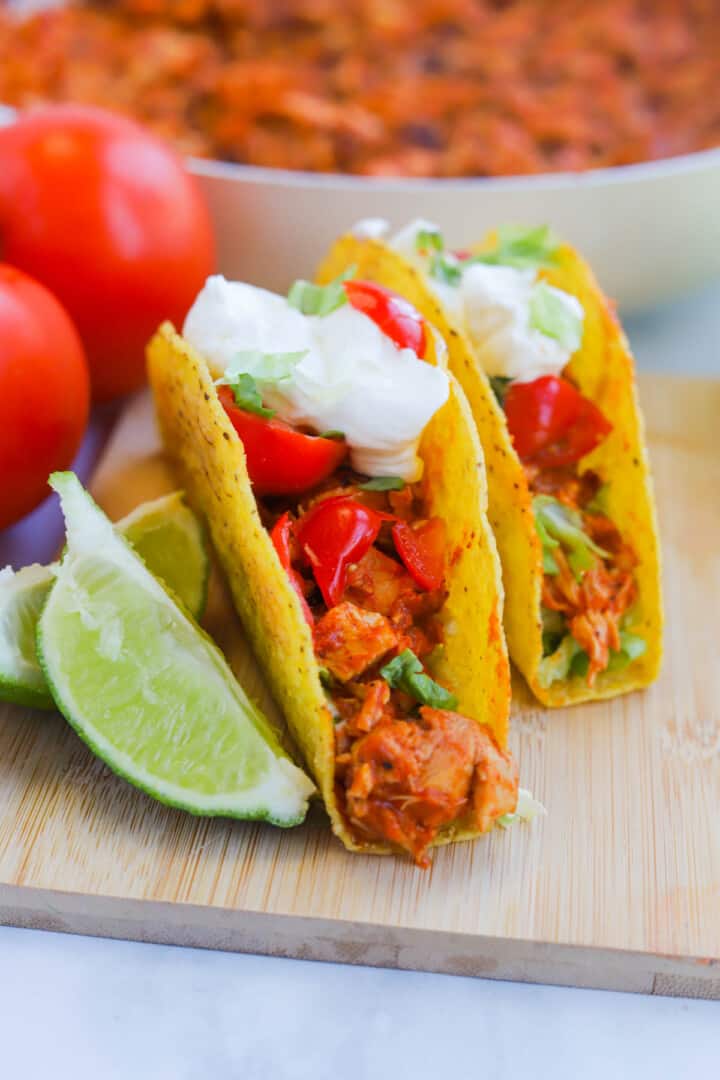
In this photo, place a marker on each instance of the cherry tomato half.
(398, 319)
(105, 215)
(333, 534)
(281, 537)
(422, 550)
(44, 392)
(551, 423)
(281, 460)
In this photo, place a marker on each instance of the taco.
(312, 433)
(549, 376)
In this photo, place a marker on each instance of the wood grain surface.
(619, 886)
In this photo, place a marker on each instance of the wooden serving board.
(618, 887)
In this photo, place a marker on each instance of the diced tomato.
(422, 550)
(281, 537)
(397, 318)
(334, 534)
(551, 423)
(281, 460)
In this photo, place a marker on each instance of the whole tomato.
(105, 216)
(44, 392)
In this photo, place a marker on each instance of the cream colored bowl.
(650, 231)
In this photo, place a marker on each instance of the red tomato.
(106, 217)
(422, 550)
(44, 392)
(393, 315)
(281, 460)
(551, 423)
(334, 533)
(281, 537)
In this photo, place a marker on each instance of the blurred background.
(601, 118)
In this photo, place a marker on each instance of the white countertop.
(101, 1010)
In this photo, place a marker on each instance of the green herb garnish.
(405, 673)
(333, 434)
(552, 315)
(447, 268)
(313, 299)
(245, 391)
(383, 483)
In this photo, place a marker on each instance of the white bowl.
(650, 231)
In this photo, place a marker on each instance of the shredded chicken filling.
(404, 770)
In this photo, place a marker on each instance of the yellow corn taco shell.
(603, 370)
(211, 461)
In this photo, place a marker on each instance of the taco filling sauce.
(330, 395)
(524, 332)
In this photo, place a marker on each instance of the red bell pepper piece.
(281, 535)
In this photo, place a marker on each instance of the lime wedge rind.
(171, 541)
(148, 691)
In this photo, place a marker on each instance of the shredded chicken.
(593, 606)
(406, 779)
(348, 640)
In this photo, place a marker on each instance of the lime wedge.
(170, 539)
(147, 690)
(22, 595)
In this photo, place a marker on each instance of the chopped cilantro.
(383, 483)
(553, 313)
(245, 391)
(447, 268)
(405, 672)
(313, 299)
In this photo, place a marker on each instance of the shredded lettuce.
(555, 315)
(528, 807)
(557, 665)
(570, 659)
(429, 239)
(405, 672)
(266, 367)
(557, 524)
(522, 247)
(599, 503)
(632, 647)
(313, 299)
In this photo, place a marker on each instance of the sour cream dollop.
(350, 378)
(494, 304)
